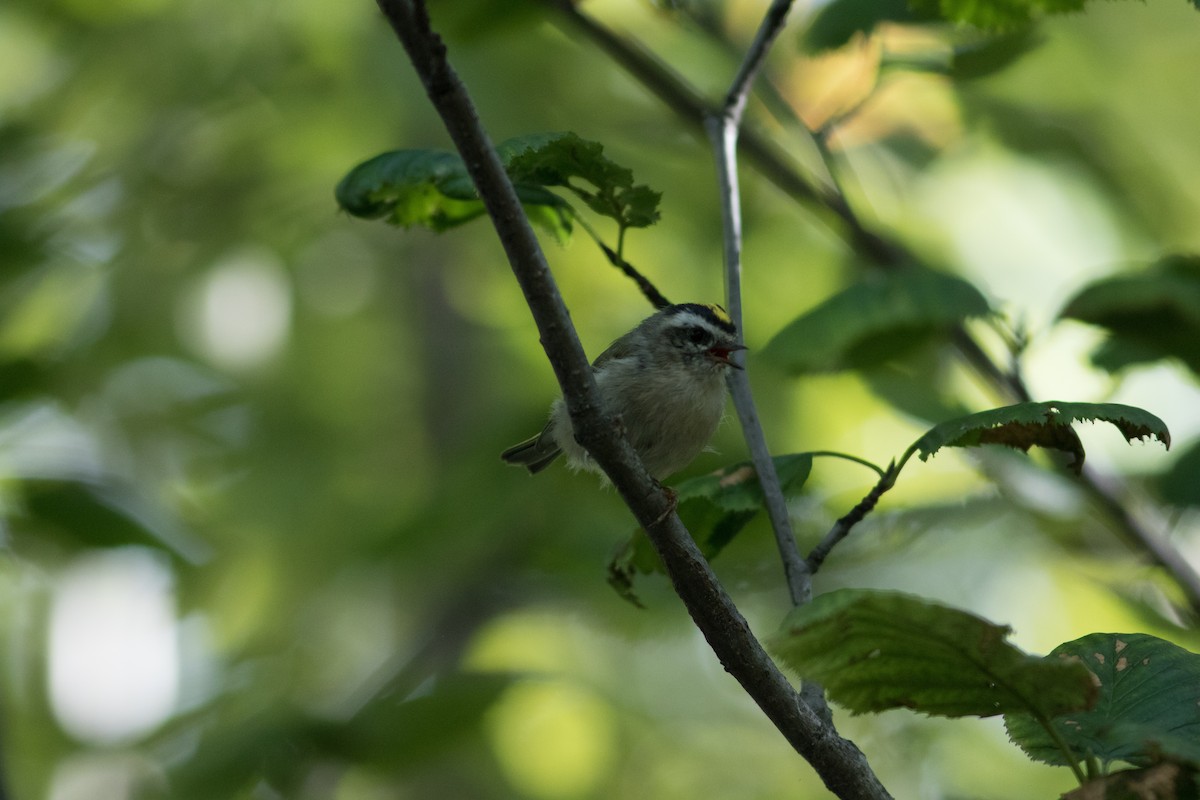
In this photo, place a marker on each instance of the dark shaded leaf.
(875, 321)
(919, 383)
(986, 56)
(397, 734)
(875, 651)
(1149, 315)
(1046, 424)
(1148, 705)
(714, 508)
(411, 187)
(94, 515)
(1180, 485)
(838, 21)
(998, 15)
(563, 159)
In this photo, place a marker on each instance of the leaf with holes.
(875, 651)
(1045, 424)
(714, 508)
(1148, 705)
(876, 321)
(565, 159)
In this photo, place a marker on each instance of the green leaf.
(1046, 424)
(411, 187)
(920, 383)
(1148, 703)
(838, 21)
(1180, 485)
(397, 734)
(714, 508)
(875, 651)
(1000, 15)
(432, 188)
(984, 56)
(1149, 315)
(875, 321)
(101, 515)
(563, 159)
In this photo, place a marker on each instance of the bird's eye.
(699, 336)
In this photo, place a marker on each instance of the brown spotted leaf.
(1045, 425)
(1148, 707)
(1164, 781)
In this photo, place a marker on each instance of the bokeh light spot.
(553, 739)
(114, 657)
(239, 314)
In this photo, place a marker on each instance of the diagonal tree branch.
(840, 764)
(879, 251)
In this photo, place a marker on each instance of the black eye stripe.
(713, 315)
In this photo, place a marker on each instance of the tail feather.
(535, 454)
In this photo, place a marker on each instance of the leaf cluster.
(1103, 699)
(431, 188)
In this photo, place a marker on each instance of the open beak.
(722, 354)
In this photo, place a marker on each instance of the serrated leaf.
(874, 651)
(1046, 424)
(874, 321)
(1149, 315)
(563, 159)
(714, 508)
(1147, 707)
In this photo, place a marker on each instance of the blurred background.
(257, 539)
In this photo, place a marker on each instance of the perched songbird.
(666, 381)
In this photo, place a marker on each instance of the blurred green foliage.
(268, 432)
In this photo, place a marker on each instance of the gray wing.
(621, 348)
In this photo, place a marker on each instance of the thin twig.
(840, 764)
(841, 529)
(723, 131)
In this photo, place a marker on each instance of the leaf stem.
(841, 529)
(648, 289)
(1062, 745)
(848, 457)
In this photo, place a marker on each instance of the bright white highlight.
(239, 315)
(114, 655)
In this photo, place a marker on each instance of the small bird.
(666, 381)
